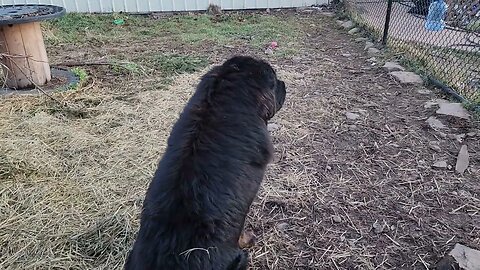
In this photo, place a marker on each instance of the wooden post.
(27, 62)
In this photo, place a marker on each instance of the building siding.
(142, 6)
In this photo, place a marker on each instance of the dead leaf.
(352, 116)
(442, 164)
(462, 160)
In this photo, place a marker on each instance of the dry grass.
(71, 186)
(72, 179)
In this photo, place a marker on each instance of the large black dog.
(217, 153)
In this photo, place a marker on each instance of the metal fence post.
(387, 22)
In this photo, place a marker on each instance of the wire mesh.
(450, 55)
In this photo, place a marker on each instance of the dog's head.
(262, 79)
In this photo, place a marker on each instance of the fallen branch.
(102, 63)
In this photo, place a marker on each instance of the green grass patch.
(255, 29)
(82, 76)
(82, 28)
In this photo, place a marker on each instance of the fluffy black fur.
(195, 207)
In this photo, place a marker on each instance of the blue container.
(436, 13)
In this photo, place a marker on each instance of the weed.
(82, 76)
(129, 68)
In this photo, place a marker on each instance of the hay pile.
(71, 187)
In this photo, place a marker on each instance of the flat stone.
(348, 25)
(442, 164)
(435, 124)
(463, 160)
(368, 45)
(453, 109)
(346, 54)
(466, 258)
(407, 77)
(434, 102)
(371, 60)
(361, 39)
(472, 134)
(373, 51)
(424, 91)
(393, 66)
(353, 31)
(352, 116)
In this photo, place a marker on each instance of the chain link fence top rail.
(451, 55)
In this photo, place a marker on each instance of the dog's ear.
(266, 101)
(240, 262)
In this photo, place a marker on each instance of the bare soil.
(341, 194)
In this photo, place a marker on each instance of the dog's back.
(196, 204)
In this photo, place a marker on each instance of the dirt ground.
(341, 193)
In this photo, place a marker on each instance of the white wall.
(163, 5)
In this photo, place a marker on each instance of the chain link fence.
(449, 57)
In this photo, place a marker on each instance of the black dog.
(195, 207)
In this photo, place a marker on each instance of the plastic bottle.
(436, 13)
